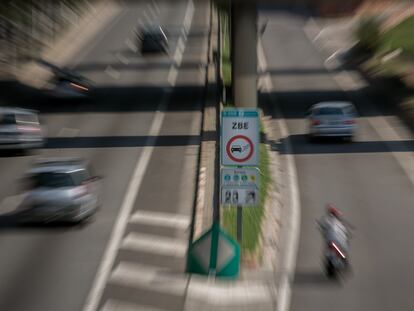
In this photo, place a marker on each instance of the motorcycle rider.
(334, 229)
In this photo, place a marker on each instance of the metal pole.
(244, 56)
(239, 224)
(216, 196)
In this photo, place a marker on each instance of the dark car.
(69, 84)
(153, 40)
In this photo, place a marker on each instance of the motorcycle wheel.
(330, 270)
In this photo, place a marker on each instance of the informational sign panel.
(240, 137)
(240, 186)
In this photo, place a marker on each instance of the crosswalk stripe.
(154, 244)
(161, 219)
(148, 277)
(116, 305)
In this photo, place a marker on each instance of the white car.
(332, 119)
(60, 190)
(20, 129)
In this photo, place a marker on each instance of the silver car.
(61, 190)
(20, 129)
(332, 119)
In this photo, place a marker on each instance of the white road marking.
(179, 50)
(81, 55)
(141, 23)
(123, 217)
(113, 73)
(151, 10)
(122, 58)
(218, 293)
(147, 17)
(11, 203)
(68, 132)
(116, 305)
(148, 277)
(108, 258)
(155, 244)
(156, 7)
(131, 45)
(161, 219)
(348, 82)
(172, 75)
(288, 263)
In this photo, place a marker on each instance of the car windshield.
(52, 180)
(7, 119)
(27, 119)
(329, 111)
(79, 176)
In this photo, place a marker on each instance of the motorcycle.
(336, 260)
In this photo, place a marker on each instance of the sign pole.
(239, 224)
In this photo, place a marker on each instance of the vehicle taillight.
(337, 250)
(80, 191)
(349, 122)
(78, 86)
(29, 129)
(316, 122)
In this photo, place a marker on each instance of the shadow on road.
(310, 278)
(301, 145)
(104, 99)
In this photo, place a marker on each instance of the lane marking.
(104, 269)
(108, 259)
(158, 280)
(231, 295)
(155, 244)
(151, 10)
(98, 38)
(172, 75)
(11, 203)
(347, 82)
(156, 6)
(131, 45)
(179, 50)
(68, 132)
(122, 58)
(288, 265)
(161, 219)
(116, 305)
(147, 17)
(113, 73)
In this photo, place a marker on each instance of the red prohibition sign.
(228, 148)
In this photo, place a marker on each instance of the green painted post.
(214, 247)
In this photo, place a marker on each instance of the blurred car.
(69, 85)
(60, 190)
(20, 129)
(332, 119)
(153, 39)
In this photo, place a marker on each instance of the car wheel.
(311, 138)
(348, 139)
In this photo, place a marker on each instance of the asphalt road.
(363, 179)
(54, 268)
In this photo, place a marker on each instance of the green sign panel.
(214, 252)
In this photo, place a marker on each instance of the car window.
(350, 110)
(7, 119)
(328, 111)
(79, 176)
(52, 180)
(27, 118)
